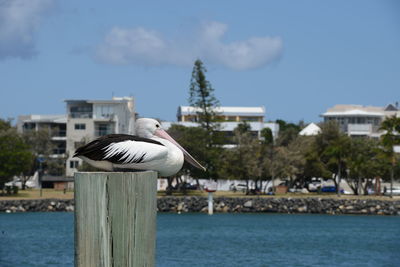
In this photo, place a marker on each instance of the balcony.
(360, 129)
(81, 115)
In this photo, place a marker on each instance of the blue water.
(46, 239)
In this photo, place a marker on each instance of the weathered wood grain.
(115, 218)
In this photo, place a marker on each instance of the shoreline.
(186, 204)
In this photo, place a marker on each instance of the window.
(104, 111)
(74, 164)
(84, 111)
(104, 129)
(80, 126)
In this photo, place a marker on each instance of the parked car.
(314, 186)
(18, 183)
(330, 189)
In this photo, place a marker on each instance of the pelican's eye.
(158, 125)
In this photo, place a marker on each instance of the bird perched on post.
(151, 148)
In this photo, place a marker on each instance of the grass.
(35, 194)
(292, 195)
(57, 194)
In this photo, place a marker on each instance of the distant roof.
(311, 129)
(354, 110)
(113, 100)
(44, 118)
(226, 126)
(391, 107)
(238, 111)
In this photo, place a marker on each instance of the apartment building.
(358, 120)
(89, 119)
(230, 117)
(55, 125)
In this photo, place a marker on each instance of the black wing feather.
(95, 150)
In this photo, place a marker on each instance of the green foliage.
(42, 146)
(5, 125)
(208, 145)
(15, 154)
(194, 140)
(201, 95)
(39, 141)
(287, 132)
(242, 162)
(267, 137)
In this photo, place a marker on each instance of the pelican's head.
(149, 128)
(146, 127)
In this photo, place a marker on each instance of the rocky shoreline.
(227, 204)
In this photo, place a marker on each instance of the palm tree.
(392, 127)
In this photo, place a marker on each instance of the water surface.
(46, 239)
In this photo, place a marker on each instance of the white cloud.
(146, 47)
(19, 19)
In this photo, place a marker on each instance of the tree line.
(296, 159)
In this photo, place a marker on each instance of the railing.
(359, 129)
(83, 115)
(58, 133)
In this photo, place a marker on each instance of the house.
(357, 120)
(311, 129)
(230, 118)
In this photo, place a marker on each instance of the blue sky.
(296, 58)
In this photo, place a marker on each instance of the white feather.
(134, 150)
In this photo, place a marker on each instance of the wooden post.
(115, 218)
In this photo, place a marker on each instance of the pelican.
(151, 149)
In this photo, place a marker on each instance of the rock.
(21, 209)
(237, 208)
(180, 206)
(302, 209)
(372, 209)
(70, 208)
(248, 204)
(204, 209)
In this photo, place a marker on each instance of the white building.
(89, 119)
(357, 120)
(230, 117)
(311, 129)
(56, 125)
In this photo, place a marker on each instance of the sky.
(295, 58)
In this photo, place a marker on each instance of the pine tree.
(202, 97)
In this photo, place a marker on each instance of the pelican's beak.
(163, 134)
